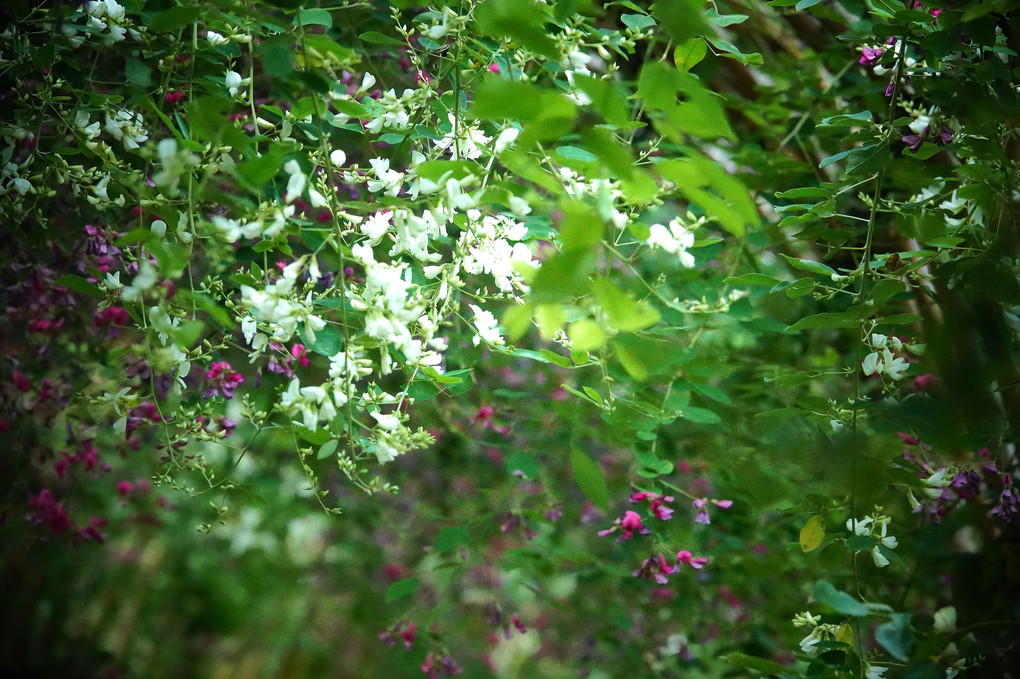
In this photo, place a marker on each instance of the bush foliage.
(510, 338)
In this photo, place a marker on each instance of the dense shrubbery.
(510, 338)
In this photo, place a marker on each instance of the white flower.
(145, 280)
(894, 367)
(872, 364)
(388, 422)
(875, 672)
(235, 82)
(880, 560)
(919, 124)
(215, 38)
(128, 127)
(21, 185)
(505, 139)
(486, 326)
(676, 239)
(338, 157)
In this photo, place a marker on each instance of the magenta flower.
(685, 557)
(50, 512)
(656, 504)
(629, 523)
(222, 380)
(870, 56)
(655, 568)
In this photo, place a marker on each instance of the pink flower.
(173, 97)
(407, 634)
(92, 532)
(655, 567)
(125, 487)
(300, 354)
(515, 620)
(907, 438)
(222, 379)
(701, 504)
(21, 382)
(656, 504)
(493, 68)
(50, 512)
(695, 562)
(629, 523)
(924, 382)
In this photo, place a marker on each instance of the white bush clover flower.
(173, 163)
(882, 361)
(877, 527)
(216, 39)
(312, 404)
(486, 327)
(675, 240)
(127, 127)
(235, 82)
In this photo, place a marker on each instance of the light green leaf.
(589, 478)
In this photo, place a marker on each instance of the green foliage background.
(755, 124)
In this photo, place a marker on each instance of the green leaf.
(757, 279)
(867, 159)
(278, 56)
(809, 265)
(516, 321)
(522, 20)
(586, 335)
(79, 284)
(690, 54)
(328, 449)
(401, 589)
(451, 537)
(173, 19)
(259, 171)
(887, 288)
(589, 478)
(701, 112)
(137, 73)
(524, 463)
(682, 19)
(752, 662)
(328, 341)
(825, 321)
(700, 415)
(724, 19)
(714, 393)
(422, 390)
(562, 276)
(377, 38)
(550, 319)
(723, 196)
(894, 636)
(841, 602)
(624, 313)
(314, 17)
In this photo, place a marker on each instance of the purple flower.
(870, 56)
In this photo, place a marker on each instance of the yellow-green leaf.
(812, 534)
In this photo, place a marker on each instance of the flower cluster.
(876, 527)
